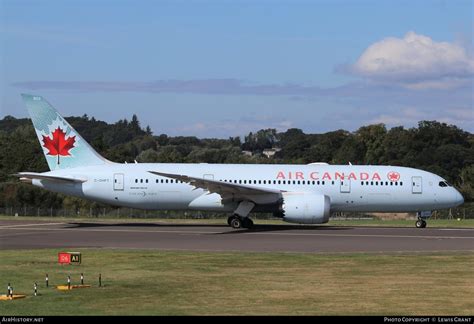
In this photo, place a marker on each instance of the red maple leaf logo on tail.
(59, 145)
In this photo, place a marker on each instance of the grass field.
(435, 223)
(184, 283)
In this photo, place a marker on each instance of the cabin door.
(417, 187)
(345, 186)
(208, 176)
(118, 182)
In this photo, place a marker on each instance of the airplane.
(304, 194)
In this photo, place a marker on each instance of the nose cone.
(458, 198)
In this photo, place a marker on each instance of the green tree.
(372, 137)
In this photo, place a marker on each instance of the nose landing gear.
(420, 223)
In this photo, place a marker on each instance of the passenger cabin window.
(443, 184)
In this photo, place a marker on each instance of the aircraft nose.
(458, 198)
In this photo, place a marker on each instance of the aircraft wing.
(40, 176)
(225, 189)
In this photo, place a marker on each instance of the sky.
(226, 68)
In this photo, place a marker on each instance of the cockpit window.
(444, 184)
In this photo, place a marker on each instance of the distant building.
(247, 153)
(269, 153)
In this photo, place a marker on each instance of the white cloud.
(416, 62)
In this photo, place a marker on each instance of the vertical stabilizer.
(62, 146)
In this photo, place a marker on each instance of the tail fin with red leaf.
(62, 146)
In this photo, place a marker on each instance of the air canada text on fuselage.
(316, 175)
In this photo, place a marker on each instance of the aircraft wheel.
(247, 223)
(236, 222)
(229, 220)
(420, 223)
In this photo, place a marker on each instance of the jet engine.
(305, 208)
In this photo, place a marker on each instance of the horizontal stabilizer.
(25, 176)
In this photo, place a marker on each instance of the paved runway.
(263, 238)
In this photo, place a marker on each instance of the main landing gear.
(240, 218)
(420, 223)
(236, 221)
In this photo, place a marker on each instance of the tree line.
(432, 146)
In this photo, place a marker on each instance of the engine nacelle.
(305, 208)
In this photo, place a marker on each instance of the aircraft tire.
(229, 220)
(236, 222)
(247, 223)
(420, 223)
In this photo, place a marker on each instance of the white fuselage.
(349, 188)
